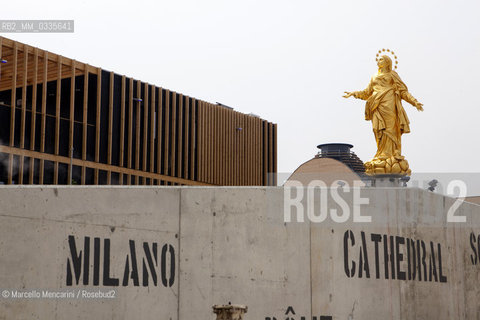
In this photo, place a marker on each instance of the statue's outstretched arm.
(364, 94)
(410, 99)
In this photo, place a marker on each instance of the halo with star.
(387, 52)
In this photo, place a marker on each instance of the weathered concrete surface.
(407, 214)
(232, 244)
(35, 224)
(235, 247)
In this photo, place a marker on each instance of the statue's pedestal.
(389, 180)
(388, 165)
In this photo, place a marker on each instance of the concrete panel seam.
(86, 224)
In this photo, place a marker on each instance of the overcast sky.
(290, 61)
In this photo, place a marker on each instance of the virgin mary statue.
(384, 108)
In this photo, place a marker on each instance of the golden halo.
(388, 52)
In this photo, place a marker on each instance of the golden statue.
(384, 108)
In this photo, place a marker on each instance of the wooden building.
(63, 121)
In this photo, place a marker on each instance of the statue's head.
(385, 62)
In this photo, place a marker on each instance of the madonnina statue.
(384, 108)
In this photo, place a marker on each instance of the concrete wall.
(449, 291)
(232, 244)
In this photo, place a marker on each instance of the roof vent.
(342, 153)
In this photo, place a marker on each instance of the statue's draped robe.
(384, 108)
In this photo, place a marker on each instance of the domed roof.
(327, 170)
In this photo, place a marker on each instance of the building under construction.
(63, 121)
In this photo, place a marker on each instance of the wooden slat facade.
(67, 122)
(34, 111)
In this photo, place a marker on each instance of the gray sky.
(290, 61)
